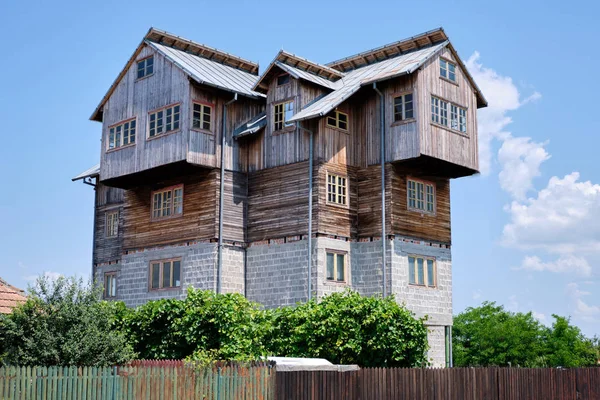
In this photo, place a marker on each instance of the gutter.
(221, 191)
(382, 155)
(310, 200)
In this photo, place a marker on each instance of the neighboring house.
(188, 130)
(10, 297)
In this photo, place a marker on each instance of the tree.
(491, 336)
(346, 328)
(63, 322)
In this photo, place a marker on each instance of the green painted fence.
(146, 382)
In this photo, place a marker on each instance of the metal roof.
(254, 125)
(401, 65)
(88, 173)
(211, 73)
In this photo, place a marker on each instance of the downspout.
(221, 191)
(382, 156)
(93, 277)
(310, 200)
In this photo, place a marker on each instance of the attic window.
(283, 79)
(403, 107)
(338, 119)
(202, 116)
(145, 67)
(283, 113)
(447, 70)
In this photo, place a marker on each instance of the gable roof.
(88, 173)
(299, 68)
(10, 297)
(203, 64)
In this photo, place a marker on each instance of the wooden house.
(212, 175)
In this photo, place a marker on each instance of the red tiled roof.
(10, 297)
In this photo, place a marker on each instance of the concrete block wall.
(436, 336)
(322, 286)
(367, 275)
(233, 270)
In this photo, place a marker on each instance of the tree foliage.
(491, 336)
(63, 322)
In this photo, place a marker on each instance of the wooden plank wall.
(107, 199)
(235, 201)
(369, 200)
(199, 220)
(333, 219)
(443, 143)
(414, 224)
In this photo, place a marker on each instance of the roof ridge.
(332, 71)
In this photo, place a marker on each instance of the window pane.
(411, 270)
(343, 117)
(155, 276)
(177, 273)
(430, 273)
(330, 262)
(331, 121)
(283, 79)
(340, 267)
(420, 272)
(166, 274)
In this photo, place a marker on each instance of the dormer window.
(121, 134)
(283, 112)
(447, 70)
(338, 119)
(145, 67)
(283, 80)
(164, 120)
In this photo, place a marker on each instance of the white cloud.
(584, 311)
(502, 96)
(561, 219)
(477, 294)
(565, 263)
(540, 317)
(520, 159)
(50, 275)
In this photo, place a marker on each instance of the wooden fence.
(451, 383)
(144, 381)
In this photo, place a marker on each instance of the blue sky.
(526, 232)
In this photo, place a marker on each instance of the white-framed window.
(167, 202)
(164, 120)
(337, 189)
(111, 224)
(202, 116)
(145, 67)
(421, 196)
(439, 115)
(403, 107)
(447, 70)
(165, 274)
(338, 119)
(122, 134)
(422, 271)
(110, 285)
(336, 266)
(283, 112)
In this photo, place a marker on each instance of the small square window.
(338, 119)
(283, 79)
(421, 271)
(145, 67)
(336, 266)
(403, 107)
(447, 70)
(202, 116)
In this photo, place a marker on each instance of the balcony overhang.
(431, 166)
(153, 176)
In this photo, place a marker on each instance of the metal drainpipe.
(310, 200)
(451, 361)
(221, 191)
(382, 146)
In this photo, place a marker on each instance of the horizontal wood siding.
(439, 142)
(235, 201)
(199, 219)
(414, 224)
(278, 202)
(107, 249)
(369, 200)
(335, 219)
(135, 98)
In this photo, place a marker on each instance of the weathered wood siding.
(135, 98)
(199, 219)
(412, 223)
(235, 206)
(334, 219)
(436, 141)
(369, 200)
(107, 249)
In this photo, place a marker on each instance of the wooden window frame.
(337, 186)
(283, 84)
(114, 216)
(448, 115)
(203, 104)
(105, 292)
(335, 115)
(425, 283)
(161, 272)
(281, 114)
(335, 266)
(403, 118)
(447, 70)
(137, 67)
(165, 132)
(121, 144)
(171, 206)
(424, 200)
